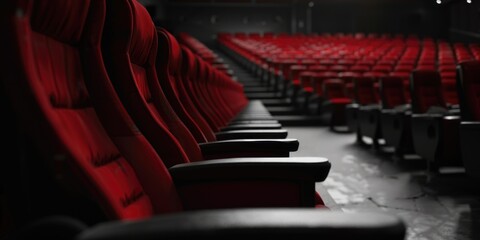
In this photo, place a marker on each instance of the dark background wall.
(421, 17)
(465, 21)
(205, 20)
(453, 19)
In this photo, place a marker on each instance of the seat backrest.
(426, 90)
(317, 81)
(364, 90)
(392, 92)
(334, 88)
(468, 82)
(189, 70)
(168, 63)
(137, 84)
(206, 87)
(295, 71)
(449, 90)
(197, 106)
(54, 53)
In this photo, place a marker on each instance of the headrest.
(190, 65)
(169, 51)
(143, 35)
(364, 81)
(470, 71)
(392, 81)
(425, 78)
(60, 19)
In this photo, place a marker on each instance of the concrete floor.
(445, 206)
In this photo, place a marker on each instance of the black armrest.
(253, 117)
(353, 105)
(249, 148)
(427, 115)
(252, 126)
(369, 107)
(249, 182)
(454, 111)
(453, 106)
(297, 168)
(278, 223)
(404, 108)
(471, 125)
(448, 115)
(266, 121)
(252, 134)
(427, 132)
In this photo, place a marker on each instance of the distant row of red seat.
(428, 125)
(122, 119)
(406, 91)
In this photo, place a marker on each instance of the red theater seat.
(335, 102)
(170, 63)
(74, 120)
(368, 121)
(140, 91)
(364, 95)
(395, 107)
(434, 125)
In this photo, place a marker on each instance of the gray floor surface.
(445, 206)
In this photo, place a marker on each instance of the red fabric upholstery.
(305, 80)
(426, 90)
(190, 63)
(340, 100)
(450, 92)
(49, 90)
(392, 92)
(317, 81)
(364, 90)
(139, 89)
(334, 89)
(295, 71)
(63, 88)
(168, 66)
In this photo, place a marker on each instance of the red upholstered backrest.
(334, 88)
(169, 67)
(468, 78)
(392, 92)
(150, 169)
(364, 90)
(317, 81)
(192, 74)
(426, 90)
(449, 90)
(189, 98)
(51, 41)
(131, 65)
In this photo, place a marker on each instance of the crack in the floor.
(420, 195)
(379, 205)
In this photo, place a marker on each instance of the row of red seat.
(306, 62)
(431, 127)
(123, 119)
(408, 94)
